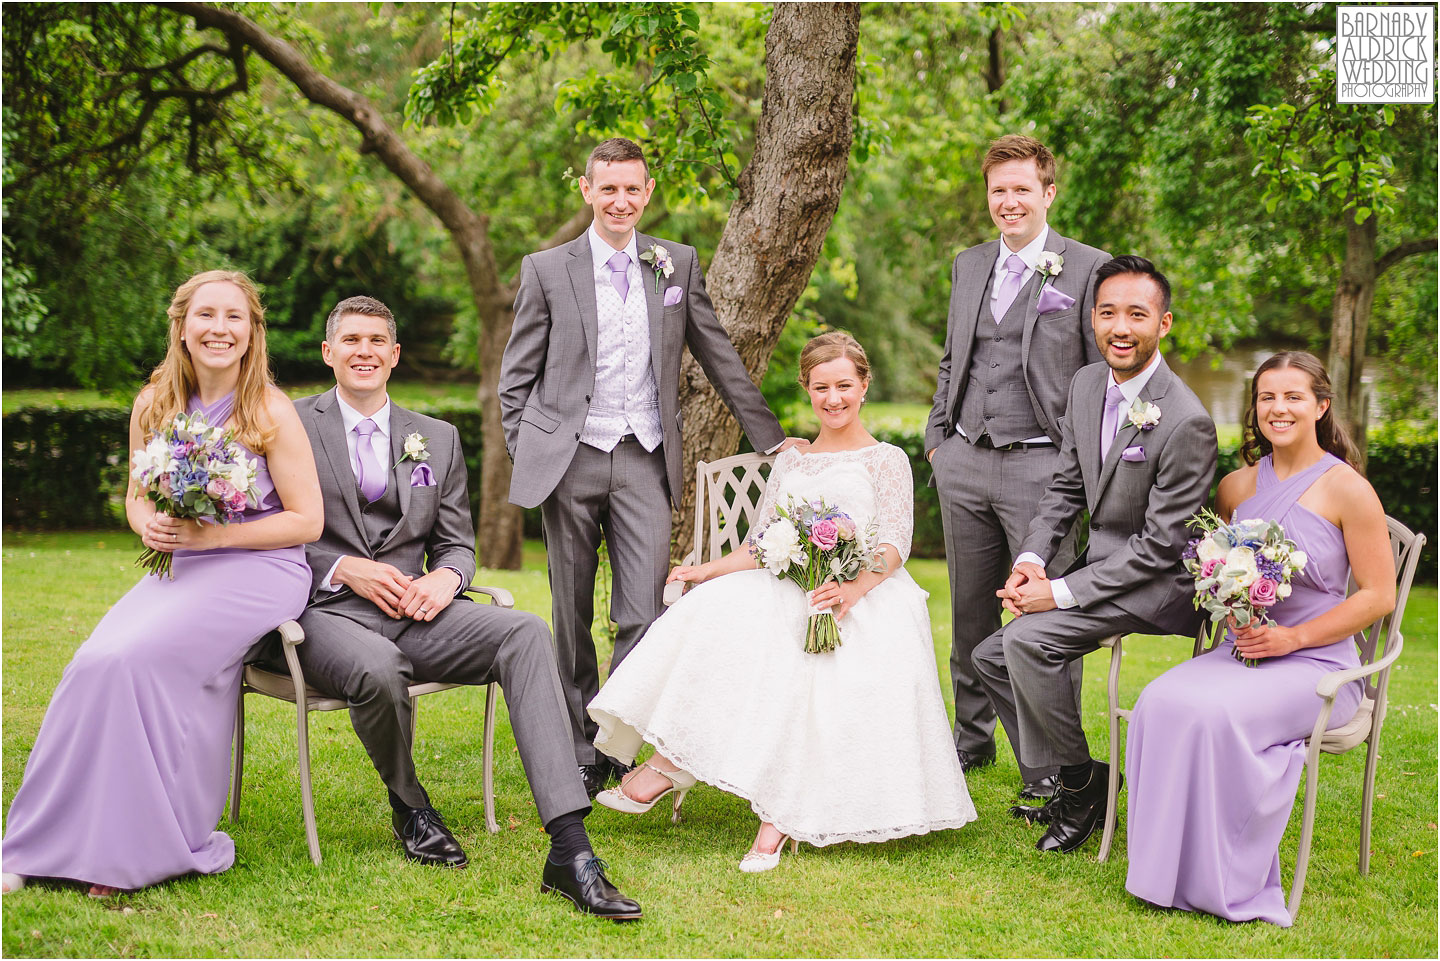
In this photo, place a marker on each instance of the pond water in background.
(1225, 390)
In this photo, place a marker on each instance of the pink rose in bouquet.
(825, 533)
(1264, 592)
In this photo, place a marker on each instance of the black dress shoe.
(969, 761)
(1076, 814)
(594, 775)
(426, 839)
(583, 882)
(1033, 813)
(1040, 789)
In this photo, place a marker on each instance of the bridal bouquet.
(192, 470)
(811, 543)
(1241, 569)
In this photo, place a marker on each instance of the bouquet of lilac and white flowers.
(192, 470)
(811, 542)
(1241, 569)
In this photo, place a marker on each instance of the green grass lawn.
(979, 891)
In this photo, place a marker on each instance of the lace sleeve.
(766, 512)
(895, 496)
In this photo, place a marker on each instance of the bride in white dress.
(722, 687)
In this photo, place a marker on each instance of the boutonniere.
(1048, 267)
(1144, 415)
(658, 258)
(415, 449)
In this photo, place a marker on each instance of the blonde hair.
(173, 382)
(832, 346)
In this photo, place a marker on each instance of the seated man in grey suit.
(1138, 451)
(386, 611)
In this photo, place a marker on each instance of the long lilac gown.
(128, 776)
(1216, 749)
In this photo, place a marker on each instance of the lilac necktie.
(371, 475)
(1114, 397)
(1009, 286)
(617, 265)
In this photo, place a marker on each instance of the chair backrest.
(728, 492)
(1379, 637)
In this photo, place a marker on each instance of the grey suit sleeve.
(524, 356)
(1064, 499)
(1087, 312)
(452, 540)
(937, 427)
(712, 348)
(1182, 483)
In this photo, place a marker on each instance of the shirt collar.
(1030, 253)
(601, 252)
(1132, 387)
(350, 416)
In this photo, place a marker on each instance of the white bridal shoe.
(756, 861)
(616, 799)
(11, 882)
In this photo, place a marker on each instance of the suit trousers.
(354, 651)
(987, 501)
(622, 494)
(1026, 668)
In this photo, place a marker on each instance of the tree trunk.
(995, 71)
(788, 194)
(1350, 322)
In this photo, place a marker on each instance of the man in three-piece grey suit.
(386, 608)
(590, 397)
(1138, 452)
(1015, 336)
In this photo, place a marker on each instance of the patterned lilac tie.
(617, 265)
(1009, 286)
(1110, 423)
(371, 475)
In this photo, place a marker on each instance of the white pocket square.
(673, 295)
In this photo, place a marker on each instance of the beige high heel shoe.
(616, 799)
(756, 861)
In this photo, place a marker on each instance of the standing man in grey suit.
(1018, 330)
(1137, 451)
(590, 400)
(386, 609)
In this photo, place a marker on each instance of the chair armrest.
(498, 595)
(676, 589)
(291, 633)
(1331, 683)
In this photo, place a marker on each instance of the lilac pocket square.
(422, 476)
(1134, 455)
(1052, 300)
(673, 295)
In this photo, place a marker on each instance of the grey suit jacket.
(434, 529)
(548, 372)
(1138, 508)
(1052, 348)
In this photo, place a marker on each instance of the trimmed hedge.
(65, 468)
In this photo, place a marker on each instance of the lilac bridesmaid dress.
(128, 776)
(1216, 749)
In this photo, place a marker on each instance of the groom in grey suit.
(590, 402)
(386, 609)
(1138, 452)
(1017, 332)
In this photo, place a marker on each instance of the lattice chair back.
(728, 493)
(1377, 640)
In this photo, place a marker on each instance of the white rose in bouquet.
(780, 545)
(1240, 565)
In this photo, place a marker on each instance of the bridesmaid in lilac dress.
(127, 778)
(1216, 749)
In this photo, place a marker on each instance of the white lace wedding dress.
(849, 746)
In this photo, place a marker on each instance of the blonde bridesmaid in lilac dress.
(127, 779)
(1216, 749)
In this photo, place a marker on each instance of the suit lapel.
(1031, 293)
(582, 278)
(1153, 391)
(972, 295)
(401, 424)
(337, 454)
(654, 305)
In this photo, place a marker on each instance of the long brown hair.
(1329, 430)
(173, 382)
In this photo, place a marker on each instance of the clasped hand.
(1027, 590)
(1257, 640)
(837, 597)
(165, 533)
(396, 593)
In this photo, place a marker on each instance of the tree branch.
(1407, 249)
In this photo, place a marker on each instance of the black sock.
(568, 839)
(1074, 777)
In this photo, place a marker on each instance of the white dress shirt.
(1131, 390)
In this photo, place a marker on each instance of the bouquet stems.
(822, 635)
(156, 563)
